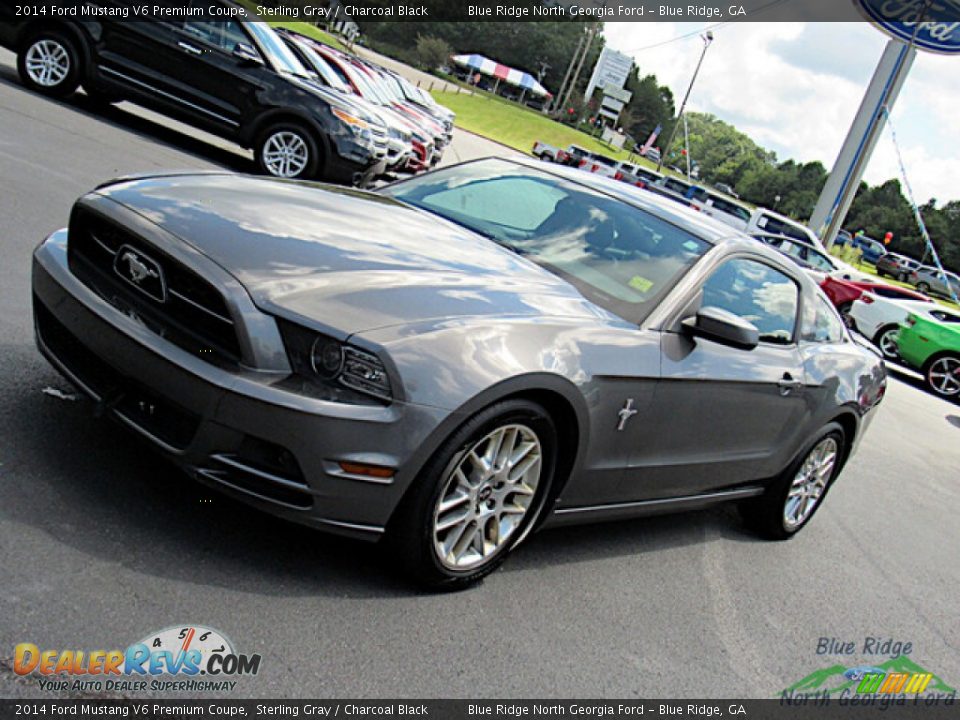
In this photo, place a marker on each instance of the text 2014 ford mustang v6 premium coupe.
(458, 358)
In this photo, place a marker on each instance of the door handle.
(190, 48)
(787, 384)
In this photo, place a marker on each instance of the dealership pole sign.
(928, 25)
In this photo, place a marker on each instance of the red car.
(842, 293)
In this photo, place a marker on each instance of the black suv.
(233, 79)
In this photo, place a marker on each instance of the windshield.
(368, 89)
(281, 57)
(620, 257)
(323, 69)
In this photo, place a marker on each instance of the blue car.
(872, 249)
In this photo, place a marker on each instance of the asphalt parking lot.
(102, 542)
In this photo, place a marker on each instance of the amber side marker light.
(376, 471)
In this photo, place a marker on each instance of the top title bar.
(331, 11)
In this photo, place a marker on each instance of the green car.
(934, 348)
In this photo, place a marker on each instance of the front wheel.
(792, 499)
(50, 64)
(287, 151)
(886, 340)
(942, 376)
(924, 288)
(477, 497)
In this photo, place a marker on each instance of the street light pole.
(707, 39)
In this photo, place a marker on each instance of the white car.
(771, 223)
(878, 318)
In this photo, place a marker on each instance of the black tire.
(844, 310)
(880, 272)
(410, 537)
(880, 339)
(273, 134)
(766, 514)
(64, 49)
(923, 287)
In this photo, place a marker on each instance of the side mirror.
(721, 326)
(246, 54)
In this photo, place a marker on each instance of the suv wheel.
(923, 287)
(287, 151)
(792, 499)
(478, 497)
(49, 64)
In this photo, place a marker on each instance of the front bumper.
(232, 429)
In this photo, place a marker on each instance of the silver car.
(457, 359)
(931, 281)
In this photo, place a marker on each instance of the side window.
(945, 317)
(825, 326)
(223, 35)
(759, 294)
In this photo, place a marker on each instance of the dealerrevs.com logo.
(186, 658)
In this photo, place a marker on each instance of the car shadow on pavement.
(120, 119)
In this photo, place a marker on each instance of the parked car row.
(905, 326)
(304, 109)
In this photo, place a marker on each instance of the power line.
(714, 26)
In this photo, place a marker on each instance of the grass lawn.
(518, 127)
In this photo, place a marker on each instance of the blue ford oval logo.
(939, 22)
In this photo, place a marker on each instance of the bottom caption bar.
(784, 707)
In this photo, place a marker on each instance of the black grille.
(167, 421)
(190, 312)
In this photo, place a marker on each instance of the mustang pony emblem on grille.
(140, 271)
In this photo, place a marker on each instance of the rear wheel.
(477, 497)
(942, 375)
(287, 151)
(923, 287)
(886, 340)
(844, 310)
(795, 496)
(50, 64)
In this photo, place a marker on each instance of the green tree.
(432, 51)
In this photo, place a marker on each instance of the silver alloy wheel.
(810, 482)
(888, 344)
(486, 496)
(285, 154)
(47, 63)
(944, 376)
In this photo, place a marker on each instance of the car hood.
(346, 260)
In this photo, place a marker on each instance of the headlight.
(351, 120)
(338, 371)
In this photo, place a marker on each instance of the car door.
(721, 415)
(220, 86)
(138, 56)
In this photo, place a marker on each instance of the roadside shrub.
(432, 52)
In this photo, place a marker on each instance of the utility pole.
(573, 60)
(707, 39)
(591, 32)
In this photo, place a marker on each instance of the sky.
(795, 88)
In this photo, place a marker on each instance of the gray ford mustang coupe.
(456, 359)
